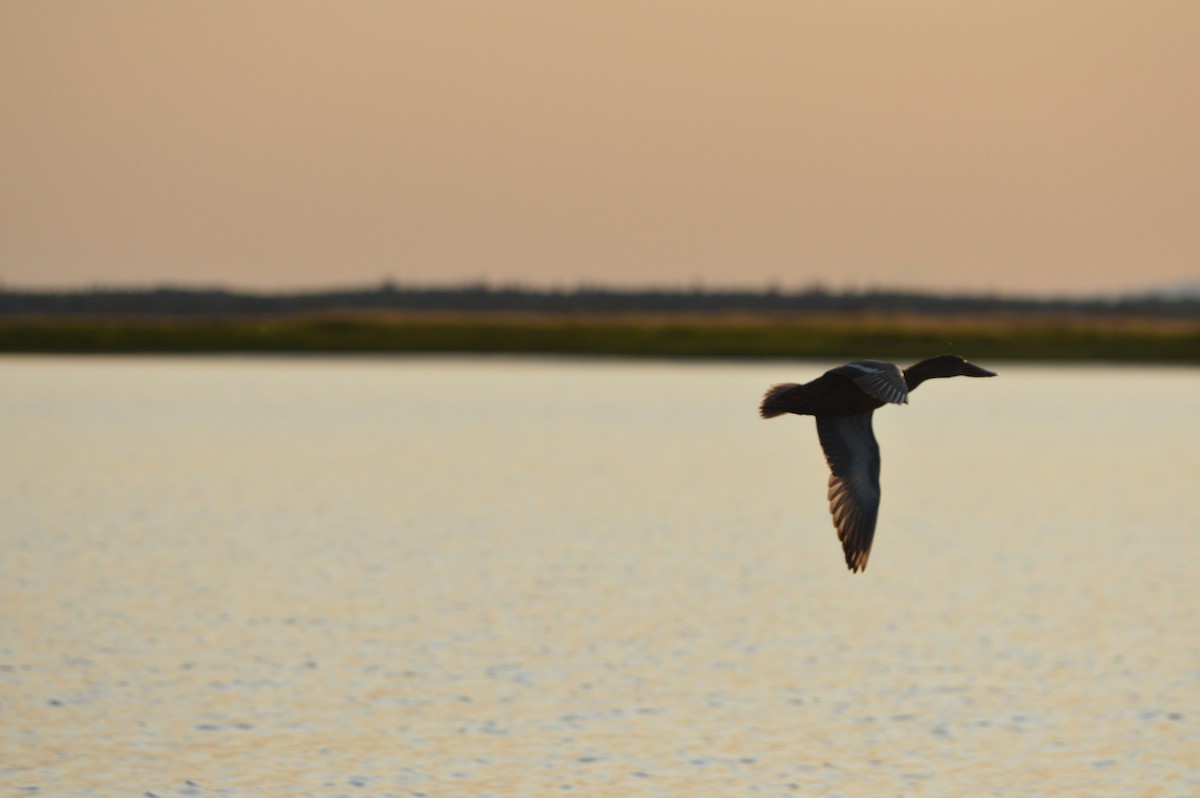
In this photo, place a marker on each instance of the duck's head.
(943, 366)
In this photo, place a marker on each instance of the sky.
(1018, 147)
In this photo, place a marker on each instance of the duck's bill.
(971, 370)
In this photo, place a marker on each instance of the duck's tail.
(774, 402)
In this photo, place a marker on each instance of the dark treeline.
(484, 299)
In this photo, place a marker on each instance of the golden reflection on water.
(504, 577)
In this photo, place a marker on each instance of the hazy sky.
(1020, 146)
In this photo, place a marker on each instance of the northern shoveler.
(843, 400)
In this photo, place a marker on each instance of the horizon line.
(1180, 289)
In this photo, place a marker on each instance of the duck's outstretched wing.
(884, 381)
(853, 457)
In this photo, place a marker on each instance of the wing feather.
(884, 381)
(853, 457)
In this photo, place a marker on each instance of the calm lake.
(525, 577)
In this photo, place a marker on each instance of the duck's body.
(843, 400)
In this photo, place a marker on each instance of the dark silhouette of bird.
(843, 400)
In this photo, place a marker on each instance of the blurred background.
(379, 388)
(1024, 147)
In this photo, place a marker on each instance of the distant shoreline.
(1054, 337)
(488, 299)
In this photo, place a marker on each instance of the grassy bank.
(635, 336)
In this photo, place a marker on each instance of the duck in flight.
(843, 400)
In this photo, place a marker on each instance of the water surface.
(469, 577)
